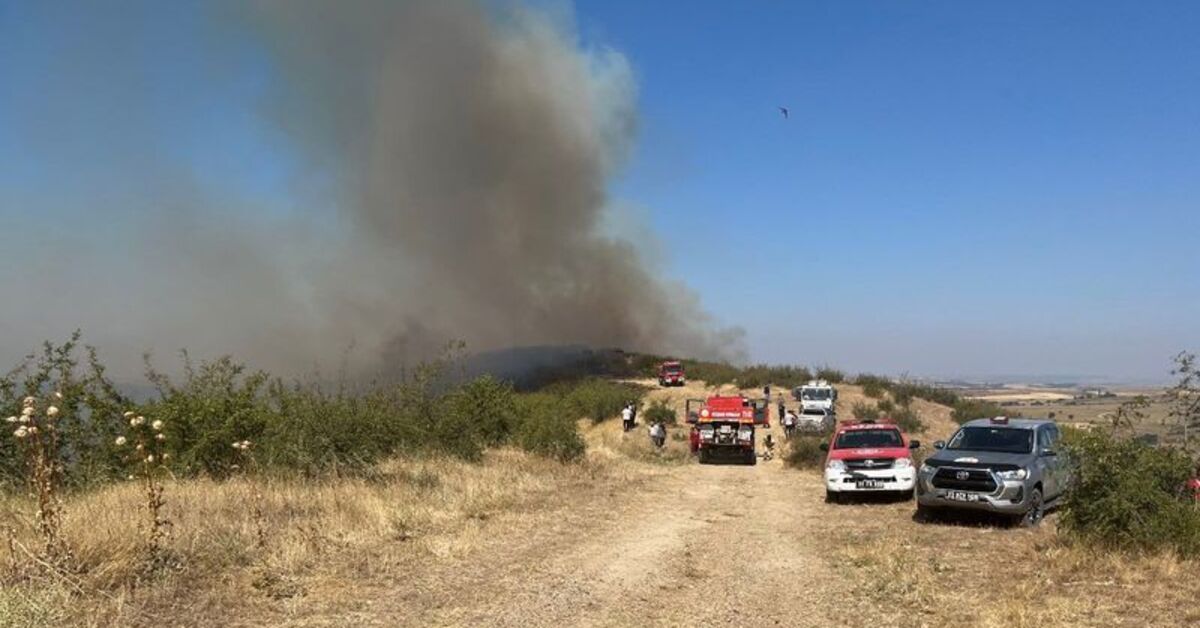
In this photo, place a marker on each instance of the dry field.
(1093, 412)
(629, 537)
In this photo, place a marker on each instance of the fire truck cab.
(723, 426)
(671, 374)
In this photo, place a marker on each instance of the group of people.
(658, 431)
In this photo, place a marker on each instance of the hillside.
(627, 537)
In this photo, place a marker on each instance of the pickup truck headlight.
(1018, 474)
(706, 434)
(745, 433)
(835, 465)
(903, 463)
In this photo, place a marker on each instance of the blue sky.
(979, 188)
(961, 188)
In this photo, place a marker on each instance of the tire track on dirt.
(703, 545)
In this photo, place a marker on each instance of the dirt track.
(660, 556)
(685, 544)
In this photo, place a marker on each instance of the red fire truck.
(723, 426)
(670, 374)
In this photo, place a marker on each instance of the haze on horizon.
(958, 190)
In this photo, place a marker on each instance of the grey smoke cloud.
(455, 162)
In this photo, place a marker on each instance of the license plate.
(869, 484)
(959, 496)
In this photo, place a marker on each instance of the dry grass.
(980, 575)
(324, 538)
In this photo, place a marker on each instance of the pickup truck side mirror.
(914, 444)
(824, 446)
(939, 444)
(1049, 452)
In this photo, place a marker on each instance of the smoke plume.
(450, 164)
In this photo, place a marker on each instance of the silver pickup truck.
(1008, 466)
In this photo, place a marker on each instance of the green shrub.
(90, 413)
(711, 373)
(971, 409)
(597, 399)
(907, 419)
(784, 376)
(862, 410)
(873, 386)
(885, 406)
(490, 405)
(547, 428)
(659, 412)
(804, 452)
(902, 395)
(831, 375)
(1129, 495)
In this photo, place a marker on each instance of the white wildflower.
(166, 457)
(139, 447)
(58, 394)
(160, 437)
(157, 425)
(150, 459)
(129, 414)
(11, 419)
(28, 401)
(120, 441)
(52, 411)
(28, 411)
(21, 432)
(33, 429)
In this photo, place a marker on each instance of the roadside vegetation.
(804, 452)
(200, 483)
(902, 392)
(229, 480)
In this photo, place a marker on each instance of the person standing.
(789, 424)
(627, 417)
(658, 434)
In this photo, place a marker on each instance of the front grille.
(852, 480)
(978, 480)
(870, 464)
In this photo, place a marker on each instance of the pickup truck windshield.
(814, 394)
(999, 439)
(856, 439)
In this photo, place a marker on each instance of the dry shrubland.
(319, 538)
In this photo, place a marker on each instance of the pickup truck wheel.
(1036, 511)
(832, 497)
(751, 458)
(703, 456)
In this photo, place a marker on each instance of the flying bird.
(784, 111)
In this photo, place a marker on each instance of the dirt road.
(684, 544)
(715, 545)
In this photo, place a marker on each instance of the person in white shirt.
(789, 423)
(627, 417)
(658, 435)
